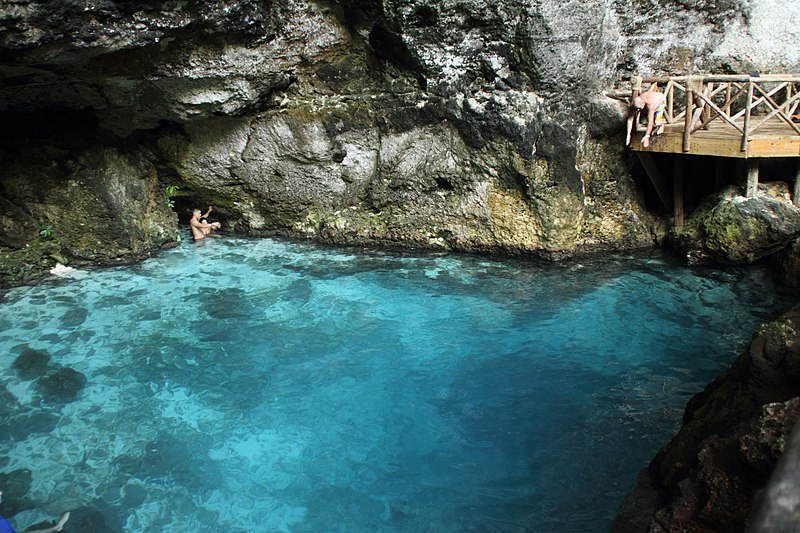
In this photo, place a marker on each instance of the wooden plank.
(765, 147)
(656, 178)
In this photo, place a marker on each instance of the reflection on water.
(271, 386)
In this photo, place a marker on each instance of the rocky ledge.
(733, 435)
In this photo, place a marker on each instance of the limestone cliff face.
(455, 124)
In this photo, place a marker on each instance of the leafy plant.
(171, 190)
(46, 232)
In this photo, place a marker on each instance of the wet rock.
(786, 266)
(61, 385)
(31, 364)
(733, 435)
(732, 229)
(134, 496)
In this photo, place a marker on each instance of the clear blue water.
(260, 385)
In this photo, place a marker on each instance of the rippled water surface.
(260, 385)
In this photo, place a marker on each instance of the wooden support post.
(656, 178)
(751, 188)
(747, 108)
(796, 196)
(719, 176)
(677, 196)
(741, 173)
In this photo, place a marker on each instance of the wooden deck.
(746, 117)
(774, 139)
(738, 116)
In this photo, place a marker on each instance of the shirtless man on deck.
(653, 101)
(200, 227)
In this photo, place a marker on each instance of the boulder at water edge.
(734, 230)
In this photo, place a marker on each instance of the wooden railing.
(743, 102)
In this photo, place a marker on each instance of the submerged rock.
(61, 385)
(31, 364)
(25, 425)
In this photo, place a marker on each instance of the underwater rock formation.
(733, 435)
(61, 385)
(30, 364)
(465, 124)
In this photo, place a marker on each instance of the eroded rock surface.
(731, 229)
(457, 124)
(732, 437)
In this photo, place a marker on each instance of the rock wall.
(733, 435)
(477, 125)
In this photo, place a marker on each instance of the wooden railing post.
(636, 86)
(691, 84)
(747, 109)
(670, 100)
(728, 93)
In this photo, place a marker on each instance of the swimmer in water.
(5, 527)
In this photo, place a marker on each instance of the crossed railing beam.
(729, 98)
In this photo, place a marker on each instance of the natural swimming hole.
(264, 385)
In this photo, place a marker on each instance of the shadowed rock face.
(733, 434)
(457, 124)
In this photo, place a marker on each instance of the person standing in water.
(5, 527)
(201, 228)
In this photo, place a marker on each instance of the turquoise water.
(261, 385)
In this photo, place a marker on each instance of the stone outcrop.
(786, 265)
(457, 125)
(733, 435)
(733, 230)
